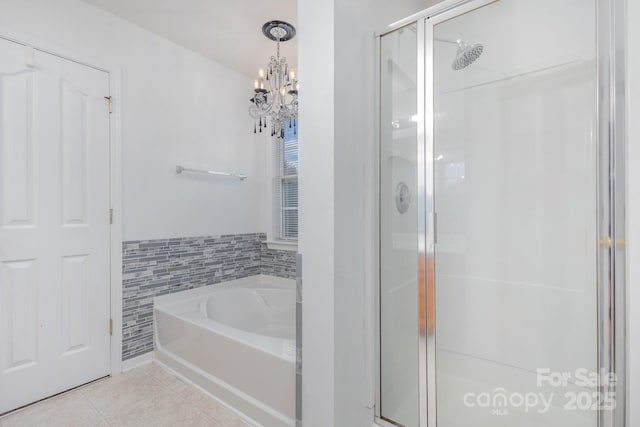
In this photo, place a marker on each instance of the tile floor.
(146, 396)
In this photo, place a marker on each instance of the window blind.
(285, 186)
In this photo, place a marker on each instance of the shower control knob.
(403, 197)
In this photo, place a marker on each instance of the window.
(285, 192)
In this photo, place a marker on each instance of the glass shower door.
(398, 398)
(514, 194)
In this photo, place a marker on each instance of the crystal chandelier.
(276, 90)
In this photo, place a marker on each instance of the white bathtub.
(236, 340)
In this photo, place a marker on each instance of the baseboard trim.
(137, 361)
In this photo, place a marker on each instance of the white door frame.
(115, 178)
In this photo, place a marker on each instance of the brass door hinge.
(108, 98)
(110, 326)
(607, 242)
(110, 216)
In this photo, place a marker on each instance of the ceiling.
(227, 31)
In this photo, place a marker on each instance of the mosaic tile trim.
(158, 267)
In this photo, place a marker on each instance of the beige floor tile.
(159, 411)
(67, 410)
(148, 369)
(149, 396)
(163, 375)
(120, 393)
(204, 403)
(218, 411)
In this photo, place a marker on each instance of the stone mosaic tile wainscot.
(158, 267)
(274, 262)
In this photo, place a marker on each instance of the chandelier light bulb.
(256, 84)
(261, 73)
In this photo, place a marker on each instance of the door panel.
(74, 304)
(73, 154)
(54, 234)
(20, 320)
(17, 146)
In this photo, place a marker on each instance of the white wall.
(633, 208)
(316, 199)
(354, 140)
(178, 108)
(336, 50)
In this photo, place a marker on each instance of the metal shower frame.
(611, 267)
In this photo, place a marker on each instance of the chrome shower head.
(466, 55)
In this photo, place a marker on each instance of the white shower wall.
(516, 204)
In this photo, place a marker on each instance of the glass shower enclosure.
(501, 240)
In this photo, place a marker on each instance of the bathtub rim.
(252, 282)
(272, 346)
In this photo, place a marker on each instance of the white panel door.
(54, 229)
